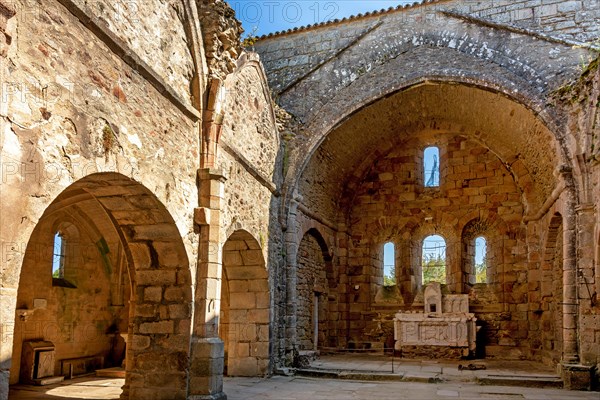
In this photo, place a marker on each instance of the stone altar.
(444, 329)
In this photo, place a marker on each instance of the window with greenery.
(431, 167)
(58, 257)
(389, 264)
(433, 260)
(59, 261)
(480, 260)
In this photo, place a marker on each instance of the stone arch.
(494, 230)
(154, 259)
(245, 307)
(317, 293)
(319, 133)
(419, 233)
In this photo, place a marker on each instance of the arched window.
(433, 260)
(58, 256)
(62, 256)
(431, 166)
(389, 264)
(480, 264)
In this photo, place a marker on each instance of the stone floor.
(433, 370)
(300, 388)
(450, 382)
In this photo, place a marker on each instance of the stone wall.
(246, 307)
(153, 30)
(250, 158)
(392, 204)
(78, 320)
(72, 107)
(308, 50)
(312, 282)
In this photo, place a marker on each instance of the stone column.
(575, 375)
(291, 245)
(11, 256)
(570, 348)
(207, 349)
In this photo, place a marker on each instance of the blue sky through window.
(272, 16)
(431, 163)
(388, 259)
(480, 250)
(58, 254)
(434, 246)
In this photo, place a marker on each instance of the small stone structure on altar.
(444, 329)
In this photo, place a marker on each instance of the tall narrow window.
(431, 166)
(480, 260)
(434, 259)
(389, 264)
(58, 258)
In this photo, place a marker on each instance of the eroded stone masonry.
(178, 207)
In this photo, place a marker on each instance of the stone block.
(246, 366)
(577, 377)
(240, 301)
(153, 294)
(138, 342)
(146, 310)
(162, 232)
(175, 294)
(155, 277)
(169, 254)
(259, 315)
(240, 350)
(141, 255)
(161, 327)
(179, 311)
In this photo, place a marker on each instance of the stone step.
(116, 372)
(543, 381)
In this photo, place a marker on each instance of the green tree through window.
(389, 264)
(480, 260)
(433, 261)
(58, 258)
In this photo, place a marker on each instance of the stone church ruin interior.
(179, 204)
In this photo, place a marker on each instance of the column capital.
(213, 174)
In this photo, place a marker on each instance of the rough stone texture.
(495, 85)
(221, 33)
(316, 280)
(245, 307)
(155, 31)
(88, 132)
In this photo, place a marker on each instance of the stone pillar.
(291, 245)
(8, 302)
(207, 349)
(11, 257)
(581, 258)
(570, 351)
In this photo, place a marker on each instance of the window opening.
(389, 264)
(480, 260)
(431, 166)
(434, 259)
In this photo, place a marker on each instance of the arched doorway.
(125, 275)
(245, 307)
(318, 316)
(550, 311)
